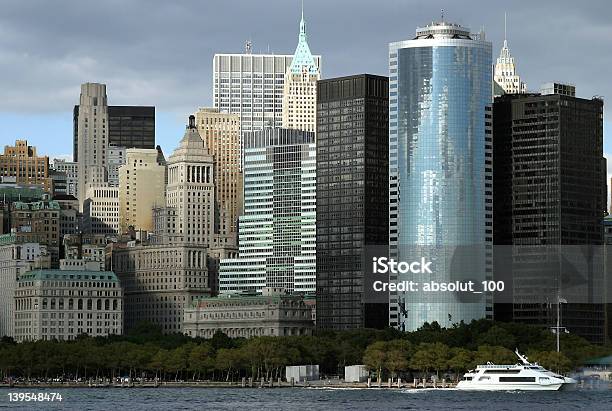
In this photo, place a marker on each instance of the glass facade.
(440, 168)
(277, 246)
(352, 196)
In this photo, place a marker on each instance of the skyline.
(165, 57)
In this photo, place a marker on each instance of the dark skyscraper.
(128, 126)
(352, 196)
(550, 194)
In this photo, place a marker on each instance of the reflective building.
(440, 169)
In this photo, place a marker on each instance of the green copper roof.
(37, 275)
(302, 58)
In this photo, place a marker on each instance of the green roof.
(37, 205)
(599, 361)
(8, 239)
(46, 274)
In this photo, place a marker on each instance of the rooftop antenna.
(442, 15)
(505, 31)
(248, 45)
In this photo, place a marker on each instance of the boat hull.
(468, 386)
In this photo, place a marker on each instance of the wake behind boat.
(525, 376)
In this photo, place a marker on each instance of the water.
(310, 399)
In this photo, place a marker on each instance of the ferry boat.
(521, 377)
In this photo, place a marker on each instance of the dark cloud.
(160, 52)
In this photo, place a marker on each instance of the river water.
(118, 399)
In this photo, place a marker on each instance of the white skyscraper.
(300, 87)
(92, 137)
(252, 86)
(277, 235)
(505, 70)
(190, 194)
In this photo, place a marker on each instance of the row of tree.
(147, 352)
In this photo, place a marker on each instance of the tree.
(431, 356)
(200, 359)
(460, 360)
(497, 336)
(227, 360)
(496, 355)
(397, 357)
(552, 360)
(375, 356)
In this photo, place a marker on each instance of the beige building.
(300, 87)
(62, 304)
(71, 169)
(101, 210)
(22, 162)
(16, 258)
(142, 182)
(272, 313)
(191, 189)
(92, 138)
(505, 71)
(159, 281)
(221, 133)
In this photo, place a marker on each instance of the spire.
(505, 32)
(302, 58)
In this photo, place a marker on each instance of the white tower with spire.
(300, 86)
(505, 70)
(191, 189)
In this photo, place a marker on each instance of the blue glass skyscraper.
(440, 169)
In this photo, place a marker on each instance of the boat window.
(516, 379)
(484, 379)
(467, 378)
(502, 371)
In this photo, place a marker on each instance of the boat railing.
(497, 366)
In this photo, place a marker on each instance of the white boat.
(519, 377)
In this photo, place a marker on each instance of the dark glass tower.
(352, 196)
(128, 126)
(550, 198)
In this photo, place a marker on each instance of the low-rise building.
(62, 304)
(272, 313)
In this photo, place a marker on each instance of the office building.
(300, 87)
(91, 137)
(271, 313)
(115, 158)
(277, 230)
(221, 133)
(101, 210)
(70, 217)
(159, 281)
(71, 171)
(63, 304)
(252, 86)
(16, 258)
(131, 126)
(440, 149)
(21, 162)
(38, 222)
(505, 74)
(142, 181)
(190, 193)
(352, 196)
(550, 192)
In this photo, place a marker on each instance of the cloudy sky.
(158, 52)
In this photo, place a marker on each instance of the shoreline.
(238, 385)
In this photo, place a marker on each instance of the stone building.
(62, 304)
(22, 162)
(142, 182)
(16, 258)
(272, 313)
(159, 281)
